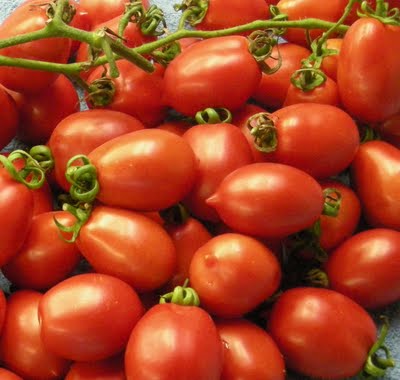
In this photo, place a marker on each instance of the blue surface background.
(393, 340)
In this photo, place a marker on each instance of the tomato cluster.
(231, 213)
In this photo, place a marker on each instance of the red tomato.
(268, 200)
(321, 333)
(137, 92)
(155, 170)
(176, 334)
(129, 246)
(320, 139)
(40, 113)
(220, 149)
(9, 118)
(249, 352)
(82, 132)
(16, 210)
(44, 258)
(389, 130)
(8, 375)
(29, 17)
(330, 63)
(336, 229)
(366, 268)
(239, 12)
(233, 273)
(375, 177)
(272, 89)
(188, 238)
(109, 369)
(21, 349)
(368, 74)
(97, 311)
(327, 93)
(80, 21)
(301, 9)
(210, 74)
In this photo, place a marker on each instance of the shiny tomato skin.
(268, 200)
(129, 246)
(320, 139)
(44, 258)
(366, 268)
(321, 333)
(209, 74)
(29, 17)
(16, 210)
(21, 348)
(249, 352)
(137, 92)
(336, 229)
(220, 149)
(82, 132)
(272, 89)
(374, 173)
(233, 273)
(9, 118)
(177, 334)
(8, 375)
(40, 113)
(368, 74)
(97, 310)
(155, 170)
(330, 63)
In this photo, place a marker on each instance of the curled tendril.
(213, 116)
(101, 92)
(317, 277)
(332, 203)
(153, 22)
(181, 295)
(83, 179)
(307, 79)
(167, 53)
(193, 11)
(43, 156)
(382, 13)
(262, 128)
(134, 11)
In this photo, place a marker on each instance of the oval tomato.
(268, 200)
(146, 170)
(21, 349)
(249, 352)
(209, 74)
(9, 118)
(321, 333)
(233, 273)
(174, 331)
(366, 268)
(85, 306)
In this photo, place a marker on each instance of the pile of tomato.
(213, 219)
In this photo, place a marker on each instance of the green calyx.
(101, 92)
(213, 116)
(181, 295)
(317, 277)
(332, 203)
(382, 12)
(193, 12)
(67, 12)
(166, 53)
(262, 128)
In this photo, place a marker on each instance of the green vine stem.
(213, 116)
(262, 128)
(182, 295)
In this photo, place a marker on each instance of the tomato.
(108, 369)
(80, 21)
(29, 17)
(209, 74)
(177, 334)
(375, 177)
(336, 229)
(21, 349)
(368, 74)
(249, 352)
(81, 132)
(268, 200)
(301, 9)
(321, 333)
(366, 268)
(221, 14)
(389, 130)
(320, 139)
(137, 92)
(233, 273)
(44, 258)
(146, 170)
(9, 118)
(330, 63)
(41, 112)
(102, 10)
(326, 93)
(220, 149)
(188, 237)
(128, 245)
(272, 89)
(8, 375)
(16, 210)
(98, 312)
